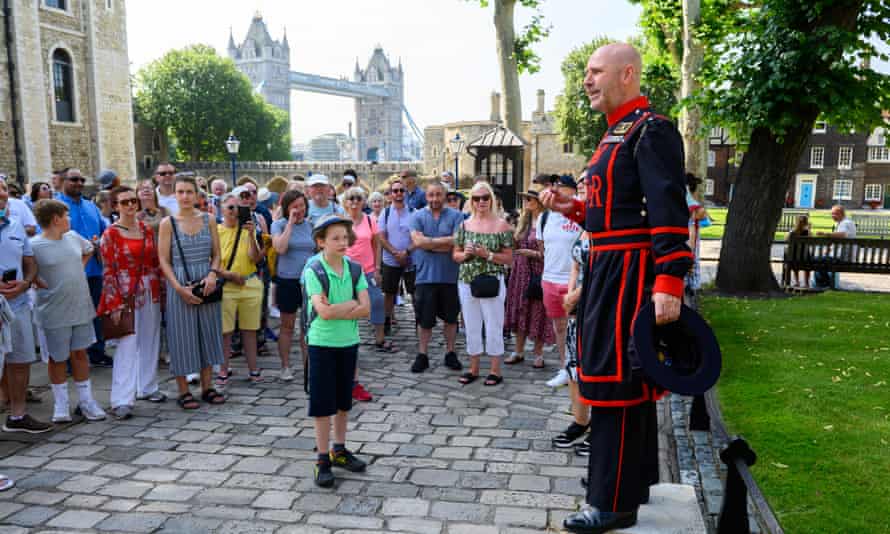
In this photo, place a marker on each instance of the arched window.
(63, 86)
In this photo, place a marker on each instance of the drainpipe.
(13, 95)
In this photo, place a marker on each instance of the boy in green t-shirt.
(333, 344)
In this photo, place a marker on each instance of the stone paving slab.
(443, 458)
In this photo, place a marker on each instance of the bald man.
(635, 211)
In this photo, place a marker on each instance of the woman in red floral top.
(131, 276)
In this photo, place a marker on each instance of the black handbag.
(198, 287)
(534, 290)
(485, 286)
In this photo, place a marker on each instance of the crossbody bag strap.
(188, 276)
(234, 250)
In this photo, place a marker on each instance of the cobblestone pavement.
(444, 458)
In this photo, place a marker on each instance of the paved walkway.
(443, 459)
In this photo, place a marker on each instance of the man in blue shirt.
(435, 287)
(86, 220)
(414, 197)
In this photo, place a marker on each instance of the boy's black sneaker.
(452, 362)
(324, 477)
(421, 364)
(569, 436)
(347, 461)
(582, 448)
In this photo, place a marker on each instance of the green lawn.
(820, 221)
(805, 381)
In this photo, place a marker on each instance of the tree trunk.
(694, 141)
(506, 36)
(757, 201)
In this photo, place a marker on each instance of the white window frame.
(842, 189)
(712, 159)
(820, 127)
(879, 154)
(817, 163)
(841, 151)
(709, 187)
(879, 197)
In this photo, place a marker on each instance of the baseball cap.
(240, 189)
(327, 220)
(448, 174)
(106, 179)
(349, 178)
(567, 181)
(317, 179)
(263, 194)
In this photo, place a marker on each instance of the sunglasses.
(246, 194)
(397, 190)
(355, 198)
(482, 198)
(166, 173)
(44, 188)
(77, 179)
(231, 207)
(128, 202)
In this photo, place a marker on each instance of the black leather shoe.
(421, 364)
(592, 521)
(644, 499)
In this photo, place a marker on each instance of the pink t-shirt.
(362, 251)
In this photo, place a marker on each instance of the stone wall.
(7, 143)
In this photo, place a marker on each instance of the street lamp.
(232, 145)
(457, 144)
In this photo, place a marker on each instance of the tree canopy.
(198, 97)
(584, 127)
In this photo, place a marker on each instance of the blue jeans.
(96, 351)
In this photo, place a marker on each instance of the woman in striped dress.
(194, 330)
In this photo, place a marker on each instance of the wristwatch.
(490, 256)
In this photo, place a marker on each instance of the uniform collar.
(624, 109)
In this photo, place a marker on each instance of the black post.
(698, 414)
(734, 511)
(13, 96)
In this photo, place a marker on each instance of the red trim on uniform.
(620, 461)
(673, 256)
(641, 283)
(665, 283)
(619, 341)
(622, 246)
(682, 230)
(624, 109)
(620, 233)
(609, 192)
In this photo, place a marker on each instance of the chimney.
(540, 101)
(495, 106)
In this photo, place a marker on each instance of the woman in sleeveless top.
(194, 329)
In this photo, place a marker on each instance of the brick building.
(71, 88)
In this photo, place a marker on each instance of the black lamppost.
(457, 144)
(232, 145)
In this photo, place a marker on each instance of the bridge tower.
(379, 119)
(265, 61)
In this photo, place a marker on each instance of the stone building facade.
(545, 151)
(72, 88)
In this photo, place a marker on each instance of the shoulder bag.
(126, 325)
(198, 287)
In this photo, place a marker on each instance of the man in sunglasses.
(86, 220)
(395, 236)
(165, 176)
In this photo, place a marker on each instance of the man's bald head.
(613, 76)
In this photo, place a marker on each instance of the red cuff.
(672, 285)
(577, 214)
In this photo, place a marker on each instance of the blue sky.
(447, 47)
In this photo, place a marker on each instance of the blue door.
(806, 195)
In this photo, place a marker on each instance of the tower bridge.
(378, 90)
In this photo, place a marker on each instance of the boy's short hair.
(47, 209)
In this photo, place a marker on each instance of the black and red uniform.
(636, 214)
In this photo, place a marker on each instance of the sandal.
(539, 362)
(467, 378)
(187, 401)
(514, 358)
(493, 380)
(385, 346)
(211, 396)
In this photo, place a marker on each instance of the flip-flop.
(539, 363)
(6, 483)
(493, 380)
(467, 378)
(386, 346)
(211, 396)
(187, 401)
(514, 358)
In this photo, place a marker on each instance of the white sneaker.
(92, 411)
(193, 378)
(286, 374)
(561, 379)
(61, 414)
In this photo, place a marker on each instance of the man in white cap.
(447, 180)
(319, 203)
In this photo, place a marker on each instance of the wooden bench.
(873, 225)
(837, 255)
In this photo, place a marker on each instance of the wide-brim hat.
(327, 220)
(534, 191)
(683, 356)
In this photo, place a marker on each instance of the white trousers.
(135, 371)
(477, 312)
